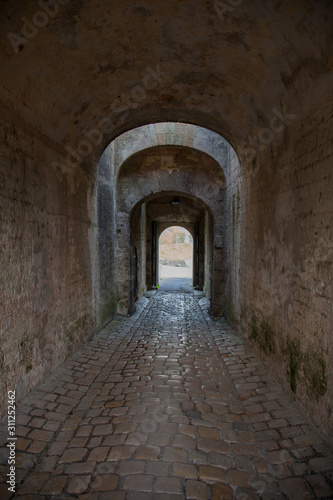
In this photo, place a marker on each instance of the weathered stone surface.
(203, 354)
(75, 78)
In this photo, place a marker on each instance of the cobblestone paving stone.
(166, 404)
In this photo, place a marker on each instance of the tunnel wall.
(103, 245)
(46, 289)
(280, 252)
(208, 256)
(138, 241)
(226, 72)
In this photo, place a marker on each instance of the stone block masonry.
(166, 402)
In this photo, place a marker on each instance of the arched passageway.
(159, 212)
(107, 107)
(117, 190)
(146, 184)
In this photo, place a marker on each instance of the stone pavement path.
(165, 405)
(181, 285)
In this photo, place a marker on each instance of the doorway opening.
(175, 258)
(147, 223)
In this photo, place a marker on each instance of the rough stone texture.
(178, 171)
(190, 215)
(109, 293)
(205, 76)
(102, 241)
(172, 377)
(82, 79)
(46, 308)
(280, 287)
(167, 134)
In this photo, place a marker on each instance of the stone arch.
(140, 277)
(155, 211)
(156, 182)
(169, 134)
(126, 147)
(259, 73)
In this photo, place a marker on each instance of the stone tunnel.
(111, 111)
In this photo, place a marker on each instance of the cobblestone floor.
(167, 404)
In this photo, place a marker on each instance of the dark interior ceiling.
(226, 72)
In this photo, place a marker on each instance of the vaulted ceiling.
(139, 62)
